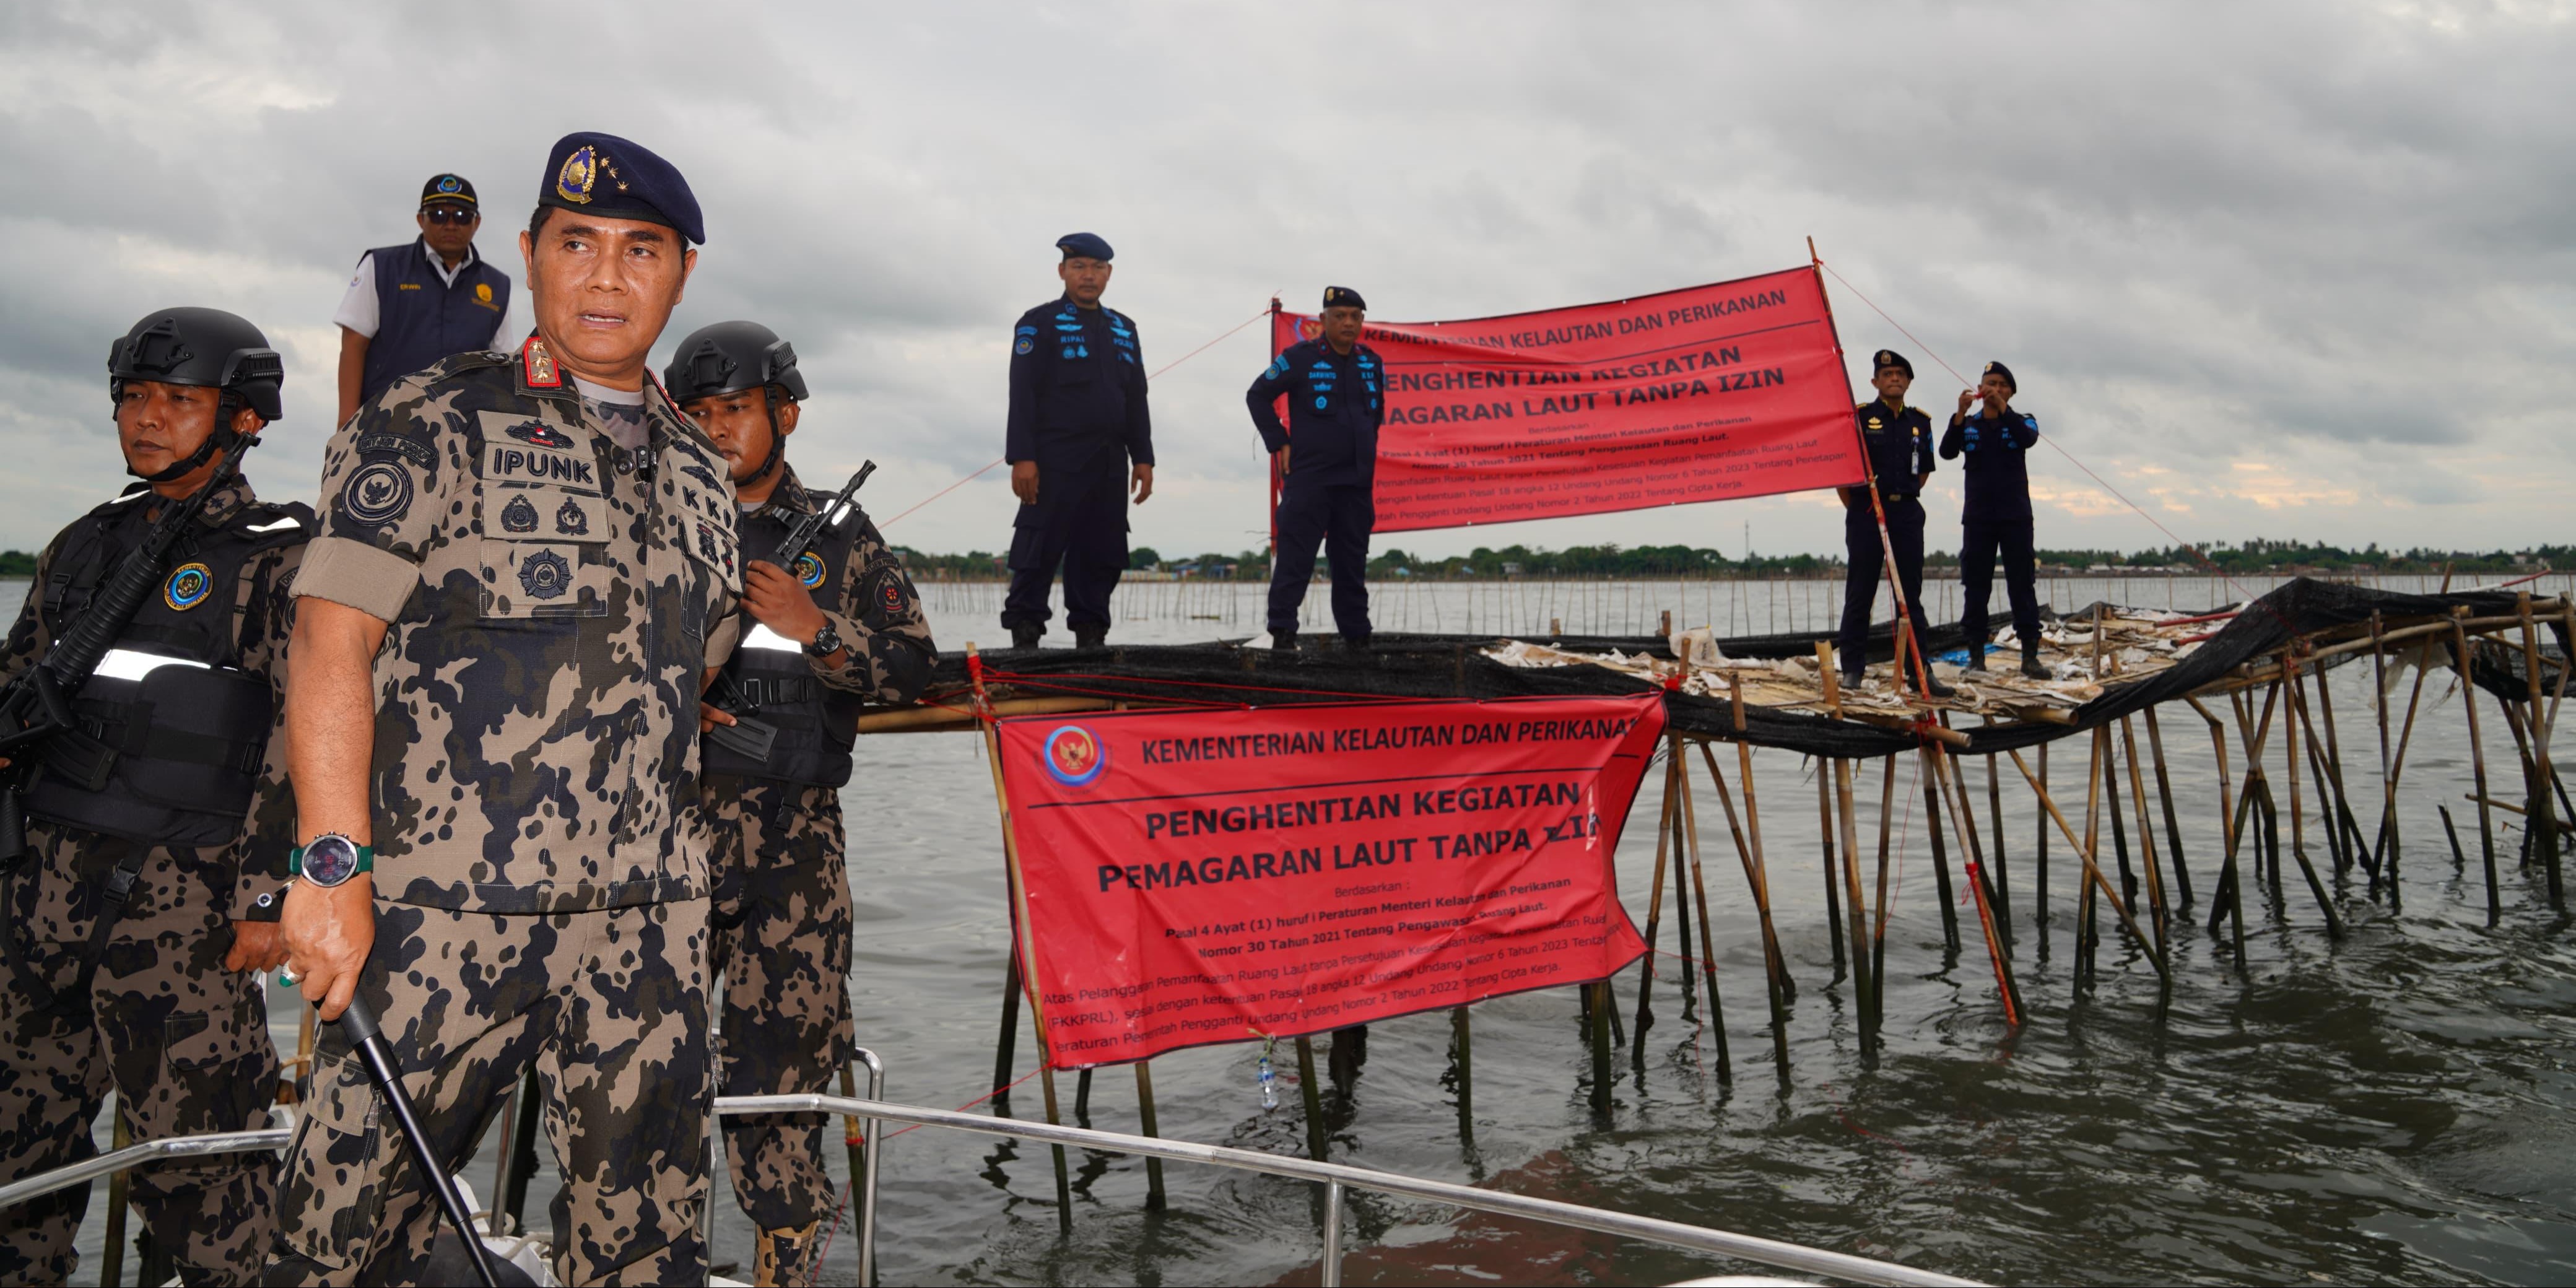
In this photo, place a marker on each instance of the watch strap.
(366, 860)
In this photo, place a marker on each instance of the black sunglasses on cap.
(449, 215)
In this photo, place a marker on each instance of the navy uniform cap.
(1083, 245)
(1890, 358)
(1999, 369)
(1343, 297)
(448, 187)
(602, 174)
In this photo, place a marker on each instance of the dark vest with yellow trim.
(816, 724)
(170, 758)
(421, 318)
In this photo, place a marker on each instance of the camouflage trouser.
(782, 940)
(610, 1007)
(183, 1042)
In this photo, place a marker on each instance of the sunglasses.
(448, 215)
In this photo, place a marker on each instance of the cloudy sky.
(2291, 270)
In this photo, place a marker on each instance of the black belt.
(1890, 497)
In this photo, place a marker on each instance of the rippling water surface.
(2396, 1105)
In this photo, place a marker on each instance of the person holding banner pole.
(1898, 440)
(1336, 391)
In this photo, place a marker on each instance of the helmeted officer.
(1898, 440)
(1996, 442)
(409, 306)
(1336, 392)
(1077, 420)
(838, 625)
(526, 569)
(158, 828)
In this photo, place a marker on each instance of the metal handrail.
(1337, 1176)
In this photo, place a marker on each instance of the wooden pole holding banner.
(1698, 894)
(1026, 939)
(1655, 904)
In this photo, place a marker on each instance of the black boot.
(1283, 641)
(2031, 667)
(1933, 688)
(1355, 643)
(1027, 634)
(1090, 637)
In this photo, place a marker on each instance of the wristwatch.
(827, 641)
(330, 859)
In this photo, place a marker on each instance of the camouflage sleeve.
(890, 652)
(28, 636)
(385, 479)
(268, 621)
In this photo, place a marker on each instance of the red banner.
(1217, 876)
(1703, 394)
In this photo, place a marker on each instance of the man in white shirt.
(409, 306)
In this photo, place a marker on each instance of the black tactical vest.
(816, 724)
(169, 758)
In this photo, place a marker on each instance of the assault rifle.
(38, 704)
(752, 738)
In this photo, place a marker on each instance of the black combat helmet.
(205, 347)
(729, 357)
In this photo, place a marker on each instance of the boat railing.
(1336, 1179)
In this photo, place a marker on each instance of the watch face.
(330, 860)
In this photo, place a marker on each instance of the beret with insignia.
(447, 187)
(1083, 246)
(1890, 358)
(609, 176)
(1999, 369)
(1343, 297)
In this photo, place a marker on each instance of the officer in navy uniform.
(1898, 440)
(1997, 518)
(411, 305)
(136, 925)
(838, 627)
(1077, 420)
(1336, 391)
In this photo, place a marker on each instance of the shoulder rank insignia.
(538, 366)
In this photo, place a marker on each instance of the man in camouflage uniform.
(838, 624)
(137, 925)
(526, 569)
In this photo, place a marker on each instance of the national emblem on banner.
(1073, 756)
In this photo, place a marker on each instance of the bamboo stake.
(2334, 754)
(2111, 808)
(2290, 767)
(2088, 936)
(2477, 758)
(2298, 848)
(1682, 926)
(1311, 1091)
(1955, 787)
(1655, 905)
(1995, 820)
(2231, 885)
(2387, 760)
(1972, 855)
(1940, 866)
(1854, 906)
(1753, 828)
(1149, 1119)
(1463, 1036)
(1601, 1003)
(2318, 768)
(1027, 937)
(2092, 870)
(2173, 823)
(1833, 896)
(1707, 945)
(2039, 846)
(2158, 914)
(2397, 774)
(1772, 973)
(1878, 934)
(2544, 827)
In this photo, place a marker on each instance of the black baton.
(358, 1024)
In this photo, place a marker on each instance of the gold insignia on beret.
(580, 172)
(1990, 370)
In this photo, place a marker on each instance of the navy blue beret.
(1999, 369)
(602, 174)
(1890, 358)
(1085, 245)
(1343, 297)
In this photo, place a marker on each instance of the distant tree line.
(2260, 555)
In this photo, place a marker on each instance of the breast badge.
(545, 575)
(809, 570)
(188, 586)
(518, 516)
(570, 521)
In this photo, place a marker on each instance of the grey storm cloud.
(2288, 270)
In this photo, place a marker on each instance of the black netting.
(1453, 666)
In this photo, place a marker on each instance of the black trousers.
(1080, 522)
(1338, 517)
(1868, 569)
(1978, 545)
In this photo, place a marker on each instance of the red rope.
(943, 492)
